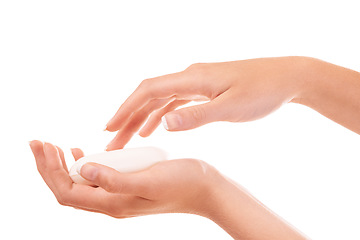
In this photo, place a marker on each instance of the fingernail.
(105, 128)
(171, 121)
(109, 144)
(163, 120)
(89, 172)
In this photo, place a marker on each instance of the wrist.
(228, 206)
(331, 90)
(241, 215)
(310, 77)
(301, 77)
(221, 196)
(209, 188)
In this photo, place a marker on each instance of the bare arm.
(182, 185)
(238, 91)
(244, 217)
(333, 91)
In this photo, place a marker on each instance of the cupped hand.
(236, 91)
(171, 186)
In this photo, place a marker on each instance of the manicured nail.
(163, 120)
(108, 147)
(89, 172)
(172, 121)
(110, 144)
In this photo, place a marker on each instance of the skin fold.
(237, 91)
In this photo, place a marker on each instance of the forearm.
(333, 91)
(244, 217)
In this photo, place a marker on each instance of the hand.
(183, 185)
(236, 91)
(170, 186)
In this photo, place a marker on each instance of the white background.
(66, 66)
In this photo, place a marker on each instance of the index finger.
(176, 84)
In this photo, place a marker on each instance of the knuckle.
(146, 87)
(198, 113)
(111, 186)
(145, 83)
(199, 69)
(196, 66)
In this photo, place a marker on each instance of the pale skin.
(162, 188)
(236, 91)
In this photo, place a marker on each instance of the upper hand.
(236, 91)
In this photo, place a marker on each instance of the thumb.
(194, 116)
(113, 181)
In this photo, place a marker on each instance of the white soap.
(123, 160)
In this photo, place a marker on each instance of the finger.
(114, 182)
(90, 199)
(157, 88)
(133, 125)
(76, 195)
(59, 179)
(140, 116)
(198, 115)
(77, 153)
(62, 157)
(119, 141)
(155, 118)
(115, 205)
(37, 149)
(43, 163)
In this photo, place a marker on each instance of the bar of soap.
(123, 160)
